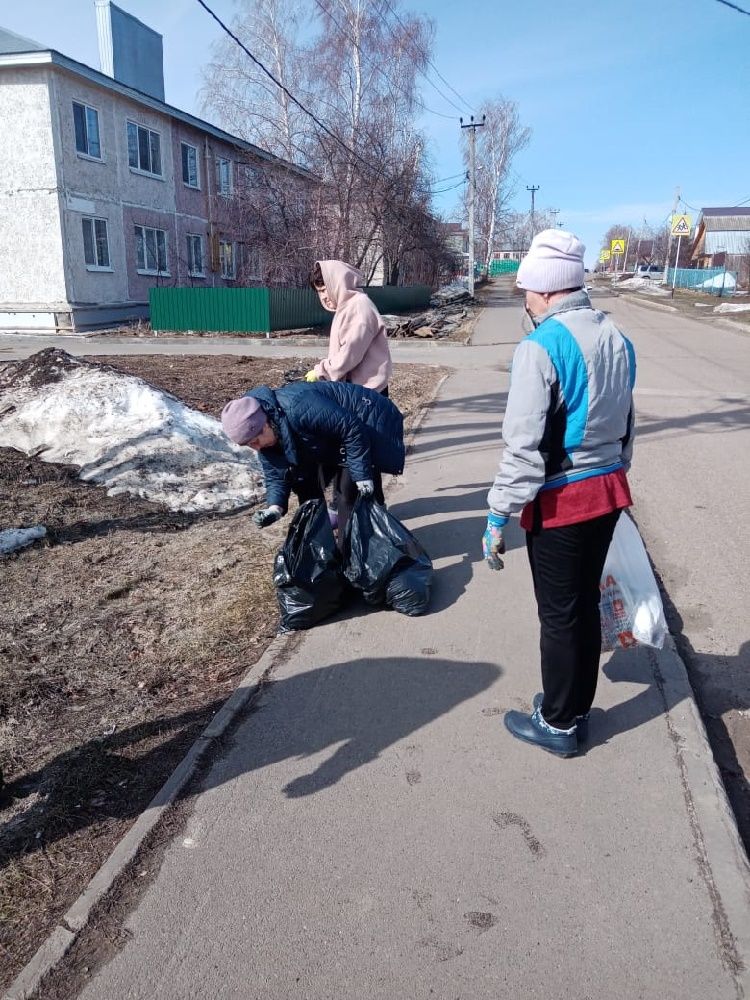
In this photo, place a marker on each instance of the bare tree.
(360, 77)
(497, 144)
(242, 97)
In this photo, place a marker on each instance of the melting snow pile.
(123, 433)
(732, 307)
(13, 539)
(643, 285)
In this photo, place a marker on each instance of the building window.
(144, 149)
(190, 175)
(96, 244)
(150, 250)
(228, 259)
(223, 176)
(195, 256)
(86, 122)
(251, 258)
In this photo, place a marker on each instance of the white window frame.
(85, 154)
(188, 145)
(95, 243)
(223, 261)
(157, 271)
(192, 272)
(151, 133)
(221, 189)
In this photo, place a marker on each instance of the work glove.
(366, 487)
(267, 516)
(493, 542)
(311, 376)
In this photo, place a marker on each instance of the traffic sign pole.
(676, 262)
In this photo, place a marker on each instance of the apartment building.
(107, 190)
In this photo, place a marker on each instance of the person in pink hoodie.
(358, 350)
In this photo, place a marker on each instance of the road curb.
(636, 300)
(58, 943)
(720, 854)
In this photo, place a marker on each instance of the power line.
(382, 72)
(434, 67)
(741, 203)
(289, 94)
(734, 6)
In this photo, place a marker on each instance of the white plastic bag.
(630, 605)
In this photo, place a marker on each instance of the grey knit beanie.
(554, 262)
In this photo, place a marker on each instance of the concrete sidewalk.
(374, 832)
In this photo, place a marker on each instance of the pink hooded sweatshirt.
(358, 350)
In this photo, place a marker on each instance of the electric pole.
(472, 135)
(533, 220)
(669, 243)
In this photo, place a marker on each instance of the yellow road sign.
(604, 256)
(681, 225)
(617, 246)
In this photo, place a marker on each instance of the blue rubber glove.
(493, 542)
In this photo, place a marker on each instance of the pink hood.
(358, 349)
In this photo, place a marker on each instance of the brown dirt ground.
(121, 634)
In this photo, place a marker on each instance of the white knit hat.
(554, 262)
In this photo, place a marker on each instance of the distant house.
(722, 239)
(107, 190)
(506, 253)
(457, 237)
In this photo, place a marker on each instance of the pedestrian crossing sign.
(604, 256)
(617, 246)
(681, 225)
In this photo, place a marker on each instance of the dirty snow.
(13, 539)
(642, 285)
(725, 281)
(732, 307)
(119, 431)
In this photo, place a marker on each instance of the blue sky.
(625, 100)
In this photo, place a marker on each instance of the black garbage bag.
(307, 571)
(385, 561)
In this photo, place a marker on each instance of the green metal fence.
(261, 310)
(503, 267)
(227, 310)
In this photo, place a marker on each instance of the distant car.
(652, 272)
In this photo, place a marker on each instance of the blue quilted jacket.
(328, 424)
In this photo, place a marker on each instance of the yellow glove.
(311, 376)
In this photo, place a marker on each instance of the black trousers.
(566, 566)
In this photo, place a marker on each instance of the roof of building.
(18, 51)
(733, 210)
(11, 42)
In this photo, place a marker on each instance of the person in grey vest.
(568, 434)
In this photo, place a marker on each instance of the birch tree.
(497, 144)
(359, 76)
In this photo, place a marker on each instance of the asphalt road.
(373, 832)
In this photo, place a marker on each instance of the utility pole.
(669, 243)
(533, 221)
(472, 127)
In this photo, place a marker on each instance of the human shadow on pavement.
(356, 709)
(451, 537)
